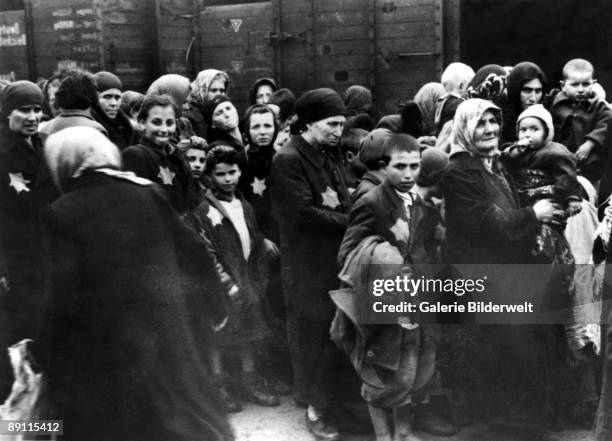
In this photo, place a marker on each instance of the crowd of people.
(171, 258)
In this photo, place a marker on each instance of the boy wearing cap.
(25, 189)
(371, 155)
(310, 200)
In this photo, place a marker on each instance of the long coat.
(25, 188)
(310, 200)
(116, 341)
(246, 323)
(484, 221)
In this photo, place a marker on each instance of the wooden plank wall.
(127, 40)
(68, 31)
(176, 34)
(13, 47)
(233, 39)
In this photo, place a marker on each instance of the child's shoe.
(254, 389)
(232, 405)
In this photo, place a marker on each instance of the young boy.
(455, 80)
(196, 155)
(581, 120)
(349, 145)
(228, 223)
(395, 211)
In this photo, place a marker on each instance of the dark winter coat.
(575, 122)
(381, 212)
(25, 189)
(120, 130)
(166, 166)
(116, 343)
(484, 221)
(255, 186)
(246, 323)
(310, 201)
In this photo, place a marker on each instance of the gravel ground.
(286, 423)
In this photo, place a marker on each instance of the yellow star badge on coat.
(215, 216)
(259, 186)
(330, 198)
(401, 230)
(18, 182)
(166, 175)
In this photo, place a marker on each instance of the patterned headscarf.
(489, 83)
(427, 100)
(466, 119)
(200, 86)
(177, 86)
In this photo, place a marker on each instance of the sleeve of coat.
(565, 172)
(603, 118)
(361, 225)
(481, 217)
(292, 198)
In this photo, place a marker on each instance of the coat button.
(370, 354)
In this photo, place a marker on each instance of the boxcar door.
(234, 39)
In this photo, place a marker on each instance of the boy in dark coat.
(228, 224)
(581, 120)
(371, 154)
(396, 211)
(310, 200)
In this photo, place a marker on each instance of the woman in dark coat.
(25, 188)
(486, 225)
(107, 110)
(116, 342)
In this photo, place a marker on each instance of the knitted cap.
(107, 80)
(538, 111)
(209, 107)
(19, 94)
(371, 147)
(357, 98)
(319, 104)
(433, 163)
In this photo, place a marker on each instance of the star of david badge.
(18, 182)
(215, 216)
(401, 230)
(166, 175)
(330, 198)
(259, 186)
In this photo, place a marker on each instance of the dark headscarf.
(261, 82)
(523, 73)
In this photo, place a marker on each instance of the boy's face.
(532, 130)
(531, 93)
(578, 85)
(197, 161)
(225, 178)
(403, 170)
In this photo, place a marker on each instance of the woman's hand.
(544, 210)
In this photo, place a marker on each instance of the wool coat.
(310, 201)
(368, 182)
(246, 323)
(25, 189)
(166, 166)
(117, 339)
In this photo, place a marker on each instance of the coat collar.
(315, 156)
(561, 97)
(12, 141)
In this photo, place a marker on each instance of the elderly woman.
(116, 342)
(486, 225)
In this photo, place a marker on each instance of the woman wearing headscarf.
(526, 86)
(359, 111)
(222, 119)
(427, 100)
(208, 83)
(108, 112)
(116, 343)
(25, 189)
(485, 224)
(262, 90)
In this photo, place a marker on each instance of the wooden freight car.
(391, 46)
